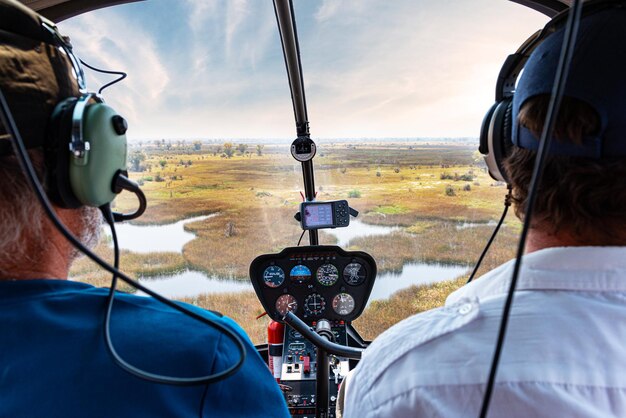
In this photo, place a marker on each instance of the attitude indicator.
(300, 274)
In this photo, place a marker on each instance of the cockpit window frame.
(58, 10)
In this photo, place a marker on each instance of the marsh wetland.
(426, 210)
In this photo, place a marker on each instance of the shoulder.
(399, 360)
(187, 347)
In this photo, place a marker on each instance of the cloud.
(200, 12)
(115, 43)
(327, 10)
(214, 68)
(236, 13)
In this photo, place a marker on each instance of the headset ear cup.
(57, 156)
(483, 146)
(92, 176)
(499, 139)
(506, 139)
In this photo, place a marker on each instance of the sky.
(213, 69)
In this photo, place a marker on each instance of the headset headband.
(64, 44)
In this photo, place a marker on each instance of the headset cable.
(27, 167)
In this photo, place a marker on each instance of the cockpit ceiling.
(57, 10)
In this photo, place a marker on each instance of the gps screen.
(318, 215)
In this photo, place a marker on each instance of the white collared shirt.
(564, 354)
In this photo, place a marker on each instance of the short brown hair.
(583, 195)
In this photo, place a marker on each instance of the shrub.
(464, 177)
(158, 178)
(446, 176)
(450, 191)
(149, 178)
(355, 194)
(467, 188)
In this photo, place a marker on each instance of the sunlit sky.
(372, 68)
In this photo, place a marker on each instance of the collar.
(585, 269)
(18, 290)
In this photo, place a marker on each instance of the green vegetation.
(257, 193)
(390, 210)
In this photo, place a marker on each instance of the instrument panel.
(314, 282)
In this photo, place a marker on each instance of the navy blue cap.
(597, 76)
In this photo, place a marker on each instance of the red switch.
(307, 365)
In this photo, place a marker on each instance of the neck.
(541, 237)
(42, 260)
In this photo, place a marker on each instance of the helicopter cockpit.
(394, 204)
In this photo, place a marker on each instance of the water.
(466, 225)
(414, 274)
(189, 283)
(155, 238)
(358, 229)
(193, 283)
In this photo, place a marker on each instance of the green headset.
(85, 144)
(496, 131)
(86, 152)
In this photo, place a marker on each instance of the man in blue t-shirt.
(53, 357)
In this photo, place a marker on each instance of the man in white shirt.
(565, 349)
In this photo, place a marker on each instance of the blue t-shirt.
(54, 362)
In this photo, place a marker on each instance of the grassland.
(426, 189)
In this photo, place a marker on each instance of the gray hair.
(23, 222)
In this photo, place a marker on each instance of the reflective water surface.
(155, 238)
(192, 283)
(188, 283)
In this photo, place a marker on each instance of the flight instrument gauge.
(286, 303)
(343, 304)
(354, 274)
(314, 304)
(300, 274)
(327, 275)
(273, 276)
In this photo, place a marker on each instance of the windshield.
(396, 93)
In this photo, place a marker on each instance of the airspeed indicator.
(273, 276)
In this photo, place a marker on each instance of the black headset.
(496, 130)
(85, 141)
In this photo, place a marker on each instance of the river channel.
(188, 283)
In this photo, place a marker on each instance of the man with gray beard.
(54, 361)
